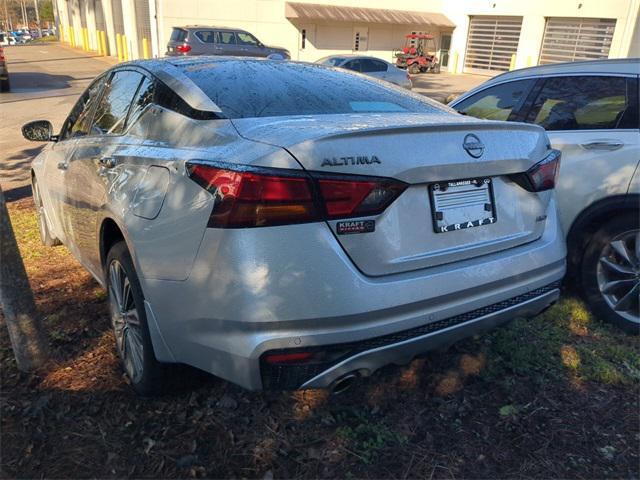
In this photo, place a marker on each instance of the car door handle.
(63, 165)
(603, 145)
(107, 162)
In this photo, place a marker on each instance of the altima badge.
(473, 145)
(345, 161)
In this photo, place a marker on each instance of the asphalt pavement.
(46, 80)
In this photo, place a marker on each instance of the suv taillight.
(542, 176)
(260, 197)
(183, 48)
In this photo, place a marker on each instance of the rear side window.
(585, 103)
(227, 38)
(498, 102)
(207, 36)
(144, 96)
(164, 97)
(112, 111)
(256, 88)
(178, 35)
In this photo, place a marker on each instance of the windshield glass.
(257, 88)
(333, 61)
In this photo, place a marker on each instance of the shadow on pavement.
(38, 81)
(17, 193)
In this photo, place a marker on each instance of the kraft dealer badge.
(356, 226)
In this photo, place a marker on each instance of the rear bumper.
(368, 356)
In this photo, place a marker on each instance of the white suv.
(590, 112)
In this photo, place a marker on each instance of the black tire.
(622, 226)
(151, 378)
(413, 69)
(46, 237)
(5, 85)
(436, 68)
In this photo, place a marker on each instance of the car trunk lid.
(458, 171)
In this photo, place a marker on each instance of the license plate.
(461, 204)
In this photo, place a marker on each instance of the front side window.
(332, 61)
(207, 36)
(582, 103)
(498, 102)
(227, 38)
(112, 111)
(355, 65)
(369, 66)
(79, 120)
(245, 38)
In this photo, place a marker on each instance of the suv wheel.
(129, 322)
(611, 273)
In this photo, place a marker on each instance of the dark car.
(201, 40)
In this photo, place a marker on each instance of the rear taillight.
(542, 176)
(260, 197)
(183, 48)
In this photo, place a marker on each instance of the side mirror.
(38, 131)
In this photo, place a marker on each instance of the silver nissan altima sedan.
(286, 225)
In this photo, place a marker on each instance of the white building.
(472, 36)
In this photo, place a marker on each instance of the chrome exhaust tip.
(343, 383)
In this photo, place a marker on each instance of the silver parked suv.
(285, 244)
(202, 40)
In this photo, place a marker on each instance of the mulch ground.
(442, 416)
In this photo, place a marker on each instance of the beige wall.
(266, 19)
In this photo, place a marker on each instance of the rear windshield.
(256, 88)
(178, 35)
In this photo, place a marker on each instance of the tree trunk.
(18, 306)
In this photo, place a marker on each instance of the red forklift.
(416, 56)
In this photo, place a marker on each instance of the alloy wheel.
(125, 321)
(618, 275)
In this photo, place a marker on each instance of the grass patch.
(366, 436)
(25, 227)
(565, 340)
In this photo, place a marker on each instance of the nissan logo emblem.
(473, 145)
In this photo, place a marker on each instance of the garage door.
(574, 39)
(491, 43)
(143, 27)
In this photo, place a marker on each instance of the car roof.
(618, 65)
(210, 27)
(352, 55)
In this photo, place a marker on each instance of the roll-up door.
(143, 27)
(490, 43)
(575, 39)
(118, 20)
